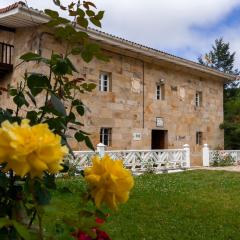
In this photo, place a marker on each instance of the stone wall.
(131, 106)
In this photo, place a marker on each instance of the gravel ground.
(228, 168)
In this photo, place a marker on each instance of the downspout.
(143, 89)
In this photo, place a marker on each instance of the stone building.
(145, 98)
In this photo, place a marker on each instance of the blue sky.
(186, 28)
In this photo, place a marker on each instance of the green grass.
(190, 205)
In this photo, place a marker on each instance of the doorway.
(159, 139)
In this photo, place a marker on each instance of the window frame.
(160, 95)
(105, 83)
(106, 136)
(199, 138)
(198, 99)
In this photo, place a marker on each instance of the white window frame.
(104, 82)
(198, 99)
(106, 136)
(160, 91)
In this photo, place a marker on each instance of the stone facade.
(131, 106)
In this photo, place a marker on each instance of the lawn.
(190, 205)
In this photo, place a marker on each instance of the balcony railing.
(6, 52)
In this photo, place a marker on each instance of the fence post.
(205, 152)
(187, 152)
(101, 149)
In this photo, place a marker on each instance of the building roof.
(20, 15)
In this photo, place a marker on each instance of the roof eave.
(157, 54)
(39, 18)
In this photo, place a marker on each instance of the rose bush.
(34, 141)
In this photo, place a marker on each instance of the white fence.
(157, 160)
(212, 157)
(141, 160)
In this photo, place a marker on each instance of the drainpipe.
(143, 105)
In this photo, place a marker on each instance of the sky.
(185, 28)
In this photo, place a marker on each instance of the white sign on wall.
(137, 136)
(159, 122)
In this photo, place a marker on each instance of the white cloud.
(164, 24)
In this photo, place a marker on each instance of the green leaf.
(3, 180)
(71, 5)
(53, 23)
(102, 57)
(42, 195)
(80, 13)
(79, 137)
(20, 100)
(51, 13)
(22, 230)
(62, 20)
(72, 13)
(57, 2)
(30, 57)
(89, 143)
(32, 116)
(88, 86)
(71, 66)
(37, 82)
(58, 105)
(100, 15)
(12, 91)
(83, 22)
(49, 181)
(62, 66)
(96, 22)
(57, 124)
(93, 47)
(90, 13)
(57, 21)
(87, 56)
(80, 110)
(86, 4)
(4, 222)
(81, 35)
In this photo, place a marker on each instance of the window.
(199, 138)
(106, 136)
(105, 82)
(160, 92)
(198, 100)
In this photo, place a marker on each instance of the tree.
(220, 58)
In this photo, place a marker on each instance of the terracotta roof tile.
(12, 6)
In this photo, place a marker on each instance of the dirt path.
(228, 168)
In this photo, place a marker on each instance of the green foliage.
(222, 159)
(22, 200)
(231, 123)
(220, 58)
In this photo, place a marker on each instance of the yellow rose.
(109, 181)
(30, 149)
